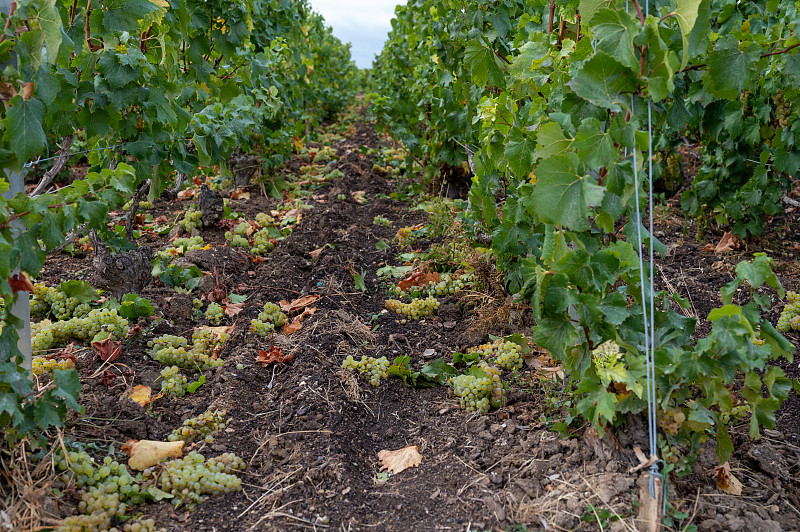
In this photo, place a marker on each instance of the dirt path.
(310, 432)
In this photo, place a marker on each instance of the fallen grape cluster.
(374, 369)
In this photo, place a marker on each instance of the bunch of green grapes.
(202, 427)
(197, 304)
(192, 478)
(174, 383)
(207, 341)
(382, 220)
(268, 319)
(144, 204)
(472, 392)
(737, 412)
(448, 285)
(264, 220)
(606, 354)
(757, 341)
(375, 369)
(48, 299)
(507, 355)
(221, 182)
(192, 219)
(94, 327)
(214, 313)
(325, 155)
(96, 522)
(418, 308)
(262, 243)
(237, 241)
(39, 326)
(783, 110)
(790, 316)
(173, 350)
(181, 246)
(108, 487)
(49, 365)
(670, 420)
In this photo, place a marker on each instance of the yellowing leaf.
(141, 395)
(400, 460)
(146, 453)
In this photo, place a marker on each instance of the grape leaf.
(24, 130)
(604, 81)
(562, 195)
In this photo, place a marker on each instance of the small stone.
(495, 428)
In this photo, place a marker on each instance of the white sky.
(365, 23)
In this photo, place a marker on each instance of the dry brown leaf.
(400, 460)
(186, 194)
(108, 350)
(141, 394)
(316, 253)
(241, 194)
(232, 309)
(19, 282)
(418, 279)
(360, 196)
(299, 303)
(297, 322)
(273, 356)
(728, 242)
(726, 481)
(146, 453)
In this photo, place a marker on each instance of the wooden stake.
(649, 507)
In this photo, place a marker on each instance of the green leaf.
(358, 280)
(80, 290)
(589, 7)
(605, 82)
(686, 12)
(519, 152)
(68, 387)
(382, 244)
(551, 140)
(562, 195)
(595, 146)
(614, 30)
(393, 271)
(194, 386)
(133, 306)
(482, 64)
(24, 130)
(724, 444)
(729, 69)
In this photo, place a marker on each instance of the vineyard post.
(22, 305)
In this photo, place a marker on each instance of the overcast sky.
(365, 23)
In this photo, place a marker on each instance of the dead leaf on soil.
(418, 279)
(728, 242)
(643, 460)
(545, 367)
(297, 322)
(232, 309)
(141, 394)
(273, 356)
(108, 350)
(146, 453)
(726, 481)
(298, 304)
(400, 460)
(186, 194)
(360, 196)
(241, 194)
